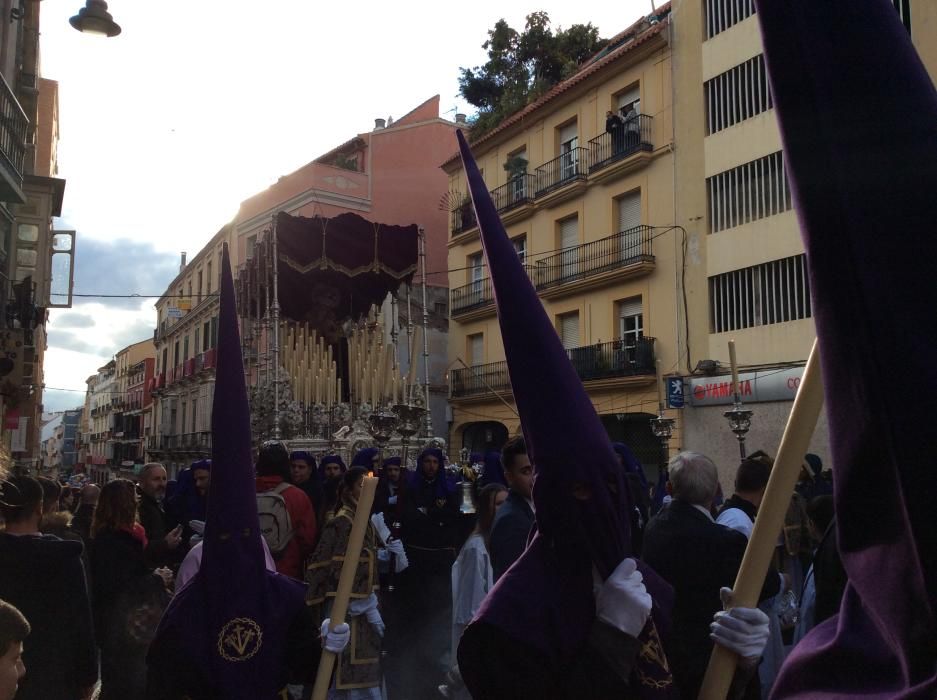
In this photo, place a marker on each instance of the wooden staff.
(345, 580)
(735, 370)
(774, 505)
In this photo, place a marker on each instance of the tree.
(522, 67)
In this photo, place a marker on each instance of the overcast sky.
(199, 104)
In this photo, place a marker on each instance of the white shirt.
(471, 580)
(736, 519)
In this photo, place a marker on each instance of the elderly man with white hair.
(698, 557)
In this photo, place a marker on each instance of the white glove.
(742, 630)
(395, 547)
(392, 500)
(622, 601)
(373, 615)
(335, 640)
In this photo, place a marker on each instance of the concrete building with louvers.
(592, 215)
(744, 240)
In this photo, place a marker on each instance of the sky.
(197, 105)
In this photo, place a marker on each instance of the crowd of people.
(93, 571)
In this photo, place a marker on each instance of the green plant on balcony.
(516, 167)
(346, 162)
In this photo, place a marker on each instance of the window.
(476, 348)
(629, 222)
(196, 345)
(748, 192)
(722, 14)
(175, 356)
(569, 140)
(736, 95)
(208, 273)
(185, 347)
(630, 324)
(182, 423)
(165, 358)
(214, 332)
(476, 267)
(569, 239)
(520, 247)
(194, 415)
(760, 295)
(206, 335)
(628, 100)
(517, 169)
(440, 309)
(199, 287)
(568, 329)
(251, 244)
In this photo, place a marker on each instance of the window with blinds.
(568, 327)
(761, 295)
(736, 95)
(569, 140)
(630, 98)
(569, 239)
(629, 218)
(722, 14)
(476, 348)
(520, 247)
(747, 193)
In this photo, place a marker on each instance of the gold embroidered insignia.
(239, 640)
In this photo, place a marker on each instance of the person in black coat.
(43, 576)
(696, 556)
(128, 596)
(162, 548)
(616, 128)
(305, 476)
(515, 517)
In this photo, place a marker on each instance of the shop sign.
(754, 387)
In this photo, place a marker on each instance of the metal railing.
(480, 379)
(519, 190)
(633, 136)
(569, 166)
(603, 255)
(13, 128)
(474, 294)
(463, 218)
(616, 358)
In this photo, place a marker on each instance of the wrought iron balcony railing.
(617, 358)
(603, 255)
(519, 190)
(634, 136)
(463, 218)
(569, 166)
(13, 128)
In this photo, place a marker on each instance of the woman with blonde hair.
(128, 597)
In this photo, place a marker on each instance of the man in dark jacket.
(43, 576)
(516, 516)
(81, 523)
(697, 557)
(162, 542)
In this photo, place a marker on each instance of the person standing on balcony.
(614, 128)
(632, 127)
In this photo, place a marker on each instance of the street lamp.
(94, 18)
(740, 420)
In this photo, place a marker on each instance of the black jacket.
(697, 557)
(509, 533)
(157, 524)
(81, 523)
(829, 576)
(44, 578)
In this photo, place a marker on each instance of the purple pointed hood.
(858, 118)
(546, 598)
(232, 630)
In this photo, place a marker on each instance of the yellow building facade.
(592, 213)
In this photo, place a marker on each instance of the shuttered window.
(476, 343)
(629, 211)
(569, 135)
(736, 95)
(722, 14)
(773, 292)
(630, 97)
(569, 239)
(630, 321)
(569, 329)
(748, 192)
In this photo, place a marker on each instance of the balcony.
(209, 359)
(513, 199)
(463, 218)
(611, 362)
(563, 177)
(622, 255)
(13, 127)
(610, 259)
(630, 148)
